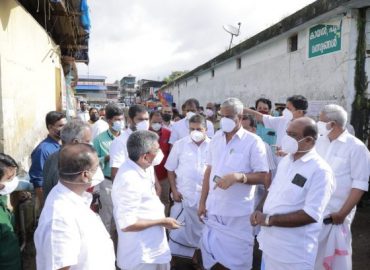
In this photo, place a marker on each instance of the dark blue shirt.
(38, 158)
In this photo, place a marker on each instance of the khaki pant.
(165, 195)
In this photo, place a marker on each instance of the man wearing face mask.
(10, 256)
(138, 212)
(211, 115)
(69, 234)
(54, 123)
(350, 160)
(102, 143)
(76, 131)
(83, 113)
(94, 115)
(293, 210)
(186, 166)
(167, 117)
(236, 162)
(99, 124)
(268, 135)
(138, 120)
(164, 134)
(180, 129)
(296, 107)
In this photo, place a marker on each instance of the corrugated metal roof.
(91, 88)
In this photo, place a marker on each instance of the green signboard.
(323, 39)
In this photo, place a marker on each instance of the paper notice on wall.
(315, 106)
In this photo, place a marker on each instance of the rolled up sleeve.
(173, 159)
(319, 192)
(360, 167)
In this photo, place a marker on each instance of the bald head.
(303, 127)
(76, 158)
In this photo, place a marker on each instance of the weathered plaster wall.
(27, 81)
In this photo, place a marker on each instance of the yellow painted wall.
(27, 81)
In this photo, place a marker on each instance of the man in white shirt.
(83, 113)
(180, 129)
(296, 107)
(236, 162)
(69, 234)
(293, 210)
(167, 114)
(138, 120)
(138, 211)
(349, 159)
(186, 167)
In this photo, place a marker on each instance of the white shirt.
(99, 127)
(349, 160)
(84, 116)
(188, 161)
(118, 149)
(180, 129)
(298, 244)
(134, 197)
(69, 233)
(279, 124)
(244, 153)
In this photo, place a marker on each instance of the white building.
(312, 52)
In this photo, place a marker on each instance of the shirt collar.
(240, 133)
(343, 137)
(308, 156)
(138, 168)
(85, 199)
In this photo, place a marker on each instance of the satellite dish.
(233, 31)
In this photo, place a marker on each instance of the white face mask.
(118, 126)
(322, 128)
(290, 145)
(189, 115)
(197, 136)
(227, 125)
(209, 113)
(158, 158)
(156, 126)
(97, 178)
(143, 125)
(9, 186)
(287, 114)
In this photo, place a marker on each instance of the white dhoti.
(228, 241)
(184, 241)
(335, 251)
(269, 263)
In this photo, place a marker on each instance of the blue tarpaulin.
(85, 16)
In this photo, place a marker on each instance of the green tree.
(174, 75)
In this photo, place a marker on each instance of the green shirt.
(101, 144)
(10, 255)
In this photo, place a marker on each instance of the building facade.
(312, 52)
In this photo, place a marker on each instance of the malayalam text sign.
(323, 39)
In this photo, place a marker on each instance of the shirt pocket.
(293, 194)
(235, 161)
(340, 165)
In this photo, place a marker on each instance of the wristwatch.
(267, 220)
(245, 178)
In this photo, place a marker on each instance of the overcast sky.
(151, 38)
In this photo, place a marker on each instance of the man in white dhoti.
(293, 210)
(236, 162)
(349, 159)
(186, 166)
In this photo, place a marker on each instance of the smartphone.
(216, 179)
(328, 220)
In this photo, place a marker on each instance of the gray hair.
(199, 119)
(335, 113)
(235, 103)
(140, 142)
(73, 130)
